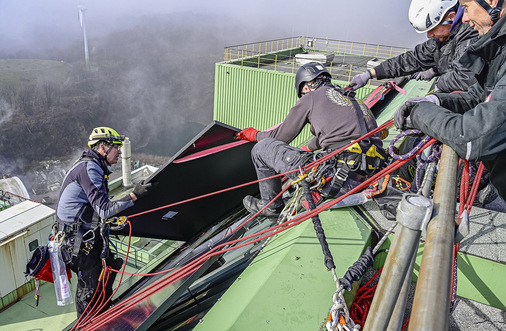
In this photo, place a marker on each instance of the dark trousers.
(88, 268)
(270, 157)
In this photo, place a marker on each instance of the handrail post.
(413, 213)
(431, 303)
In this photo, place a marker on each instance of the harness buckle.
(341, 175)
(86, 248)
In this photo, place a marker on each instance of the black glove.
(402, 121)
(401, 117)
(142, 189)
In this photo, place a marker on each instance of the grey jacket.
(473, 123)
(442, 56)
(332, 118)
(85, 191)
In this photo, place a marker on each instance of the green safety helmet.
(106, 134)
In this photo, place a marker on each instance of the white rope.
(385, 236)
(339, 308)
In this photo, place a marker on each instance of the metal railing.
(238, 52)
(279, 55)
(137, 255)
(432, 297)
(10, 199)
(244, 51)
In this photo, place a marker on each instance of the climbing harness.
(358, 161)
(117, 223)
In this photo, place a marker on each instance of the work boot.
(253, 205)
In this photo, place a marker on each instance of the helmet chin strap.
(107, 153)
(493, 12)
(317, 82)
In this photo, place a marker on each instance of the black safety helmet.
(309, 72)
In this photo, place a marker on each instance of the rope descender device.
(117, 222)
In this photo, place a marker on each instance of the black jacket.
(442, 56)
(474, 123)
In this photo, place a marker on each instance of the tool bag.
(39, 265)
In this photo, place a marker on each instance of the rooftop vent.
(323, 58)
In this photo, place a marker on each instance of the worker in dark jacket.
(334, 123)
(83, 203)
(448, 39)
(472, 123)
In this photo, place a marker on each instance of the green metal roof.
(289, 276)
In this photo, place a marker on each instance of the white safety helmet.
(424, 15)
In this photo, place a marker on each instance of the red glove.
(249, 134)
(305, 148)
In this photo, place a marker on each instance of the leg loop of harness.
(339, 177)
(77, 239)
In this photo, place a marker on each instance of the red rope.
(220, 249)
(363, 299)
(86, 318)
(194, 265)
(466, 203)
(309, 166)
(365, 294)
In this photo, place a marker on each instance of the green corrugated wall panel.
(249, 97)
(258, 98)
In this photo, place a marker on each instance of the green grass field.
(14, 72)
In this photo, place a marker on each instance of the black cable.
(357, 270)
(320, 234)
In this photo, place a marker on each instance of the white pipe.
(126, 153)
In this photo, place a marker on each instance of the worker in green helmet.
(83, 203)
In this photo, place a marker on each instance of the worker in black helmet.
(334, 123)
(438, 56)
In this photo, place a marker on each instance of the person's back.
(332, 117)
(336, 119)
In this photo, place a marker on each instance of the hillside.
(14, 72)
(147, 83)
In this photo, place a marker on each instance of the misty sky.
(54, 23)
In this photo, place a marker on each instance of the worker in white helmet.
(436, 57)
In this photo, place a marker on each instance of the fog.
(54, 23)
(163, 95)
